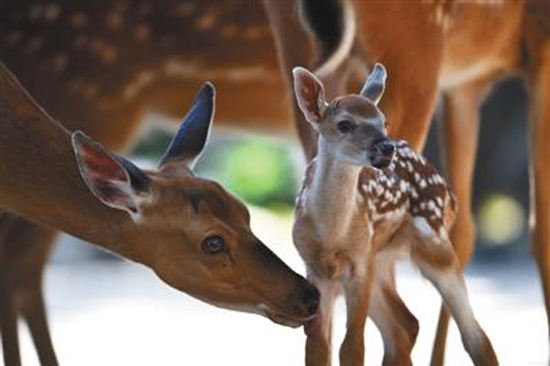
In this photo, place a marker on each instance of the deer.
(446, 51)
(115, 62)
(366, 201)
(190, 231)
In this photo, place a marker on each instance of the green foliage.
(260, 172)
(257, 170)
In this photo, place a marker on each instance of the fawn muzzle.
(382, 151)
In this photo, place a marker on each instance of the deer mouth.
(380, 161)
(293, 322)
(278, 317)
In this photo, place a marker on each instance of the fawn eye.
(213, 245)
(345, 126)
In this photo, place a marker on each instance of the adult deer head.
(190, 231)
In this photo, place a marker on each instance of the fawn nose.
(385, 147)
(310, 299)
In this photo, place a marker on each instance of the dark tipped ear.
(375, 84)
(191, 137)
(310, 94)
(114, 180)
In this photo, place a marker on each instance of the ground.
(113, 313)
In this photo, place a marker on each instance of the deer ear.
(310, 94)
(114, 180)
(192, 134)
(375, 84)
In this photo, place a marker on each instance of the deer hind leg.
(397, 325)
(438, 262)
(539, 125)
(461, 121)
(319, 336)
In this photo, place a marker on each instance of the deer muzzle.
(381, 154)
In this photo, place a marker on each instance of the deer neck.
(40, 179)
(333, 198)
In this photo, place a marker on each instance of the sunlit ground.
(110, 313)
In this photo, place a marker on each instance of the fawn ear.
(310, 94)
(192, 134)
(375, 84)
(114, 180)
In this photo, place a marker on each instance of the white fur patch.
(423, 227)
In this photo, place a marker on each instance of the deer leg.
(438, 262)
(294, 49)
(357, 291)
(35, 243)
(8, 320)
(33, 311)
(539, 125)
(460, 136)
(410, 96)
(397, 325)
(319, 336)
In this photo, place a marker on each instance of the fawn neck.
(334, 193)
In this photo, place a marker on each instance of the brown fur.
(42, 183)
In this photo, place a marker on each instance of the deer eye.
(213, 245)
(345, 126)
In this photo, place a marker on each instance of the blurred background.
(104, 310)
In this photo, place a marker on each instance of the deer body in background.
(189, 231)
(453, 49)
(364, 202)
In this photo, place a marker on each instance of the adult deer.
(189, 231)
(115, 61)
(453, 48)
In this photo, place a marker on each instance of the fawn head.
(351, 127)
(190, 231)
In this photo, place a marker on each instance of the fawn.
(365, 201)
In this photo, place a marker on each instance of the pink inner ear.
(310, 94)
(100, 165)
(311, 100)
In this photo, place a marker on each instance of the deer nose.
(385, 147)
(310, 299)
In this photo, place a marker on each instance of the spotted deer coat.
(408, 192)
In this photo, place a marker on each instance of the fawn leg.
(461, 119)
(319, 336)
(438, 262)
(357, 290)
(397, 325)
